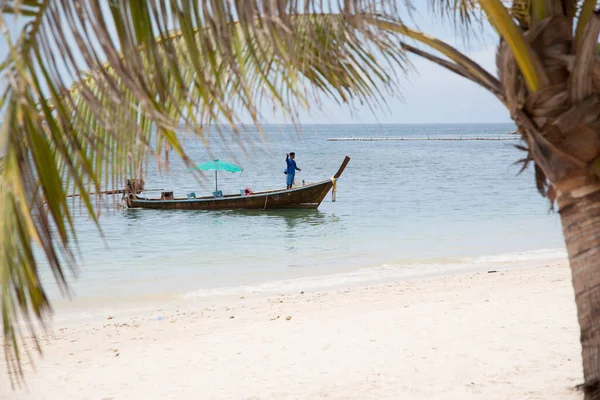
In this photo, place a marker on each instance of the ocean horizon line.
(365, 123)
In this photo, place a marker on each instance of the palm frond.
(585, 15)
(479, 74)
(149, 66)
(460, 12)
(528, 62)
(585, 61)
(457, 69)
(521, 12)
(464, 13)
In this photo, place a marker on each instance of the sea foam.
(400, 270)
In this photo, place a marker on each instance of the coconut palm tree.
(151, 65)
(549, 80)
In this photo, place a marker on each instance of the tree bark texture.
(581, 228)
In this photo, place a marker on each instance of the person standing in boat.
(291, 169)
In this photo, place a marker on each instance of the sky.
(429, 94)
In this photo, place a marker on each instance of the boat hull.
(305, 197)
(309, 196)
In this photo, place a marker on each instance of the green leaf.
(91, 82)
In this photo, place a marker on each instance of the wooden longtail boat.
(308, 196)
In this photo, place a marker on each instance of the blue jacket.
(291, 166)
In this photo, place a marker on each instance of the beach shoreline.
(511, 333)
(81, 309)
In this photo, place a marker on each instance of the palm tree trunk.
(581, 227)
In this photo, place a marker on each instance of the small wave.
(402, 270)
(544, 254)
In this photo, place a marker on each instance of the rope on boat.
(266, 198)
(334, 181)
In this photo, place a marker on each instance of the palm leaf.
(586, 14)
(200, 62)
(479, 74)
(463, 13)
(460, 12)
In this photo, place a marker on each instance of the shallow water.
(400, 205)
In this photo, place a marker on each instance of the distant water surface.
(401, 205)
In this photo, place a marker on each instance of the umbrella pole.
(216, 181)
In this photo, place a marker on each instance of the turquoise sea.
(403, 208)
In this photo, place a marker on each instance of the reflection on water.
(133, 214)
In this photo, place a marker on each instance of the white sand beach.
(511, 334)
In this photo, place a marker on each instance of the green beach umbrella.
(216, 166)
